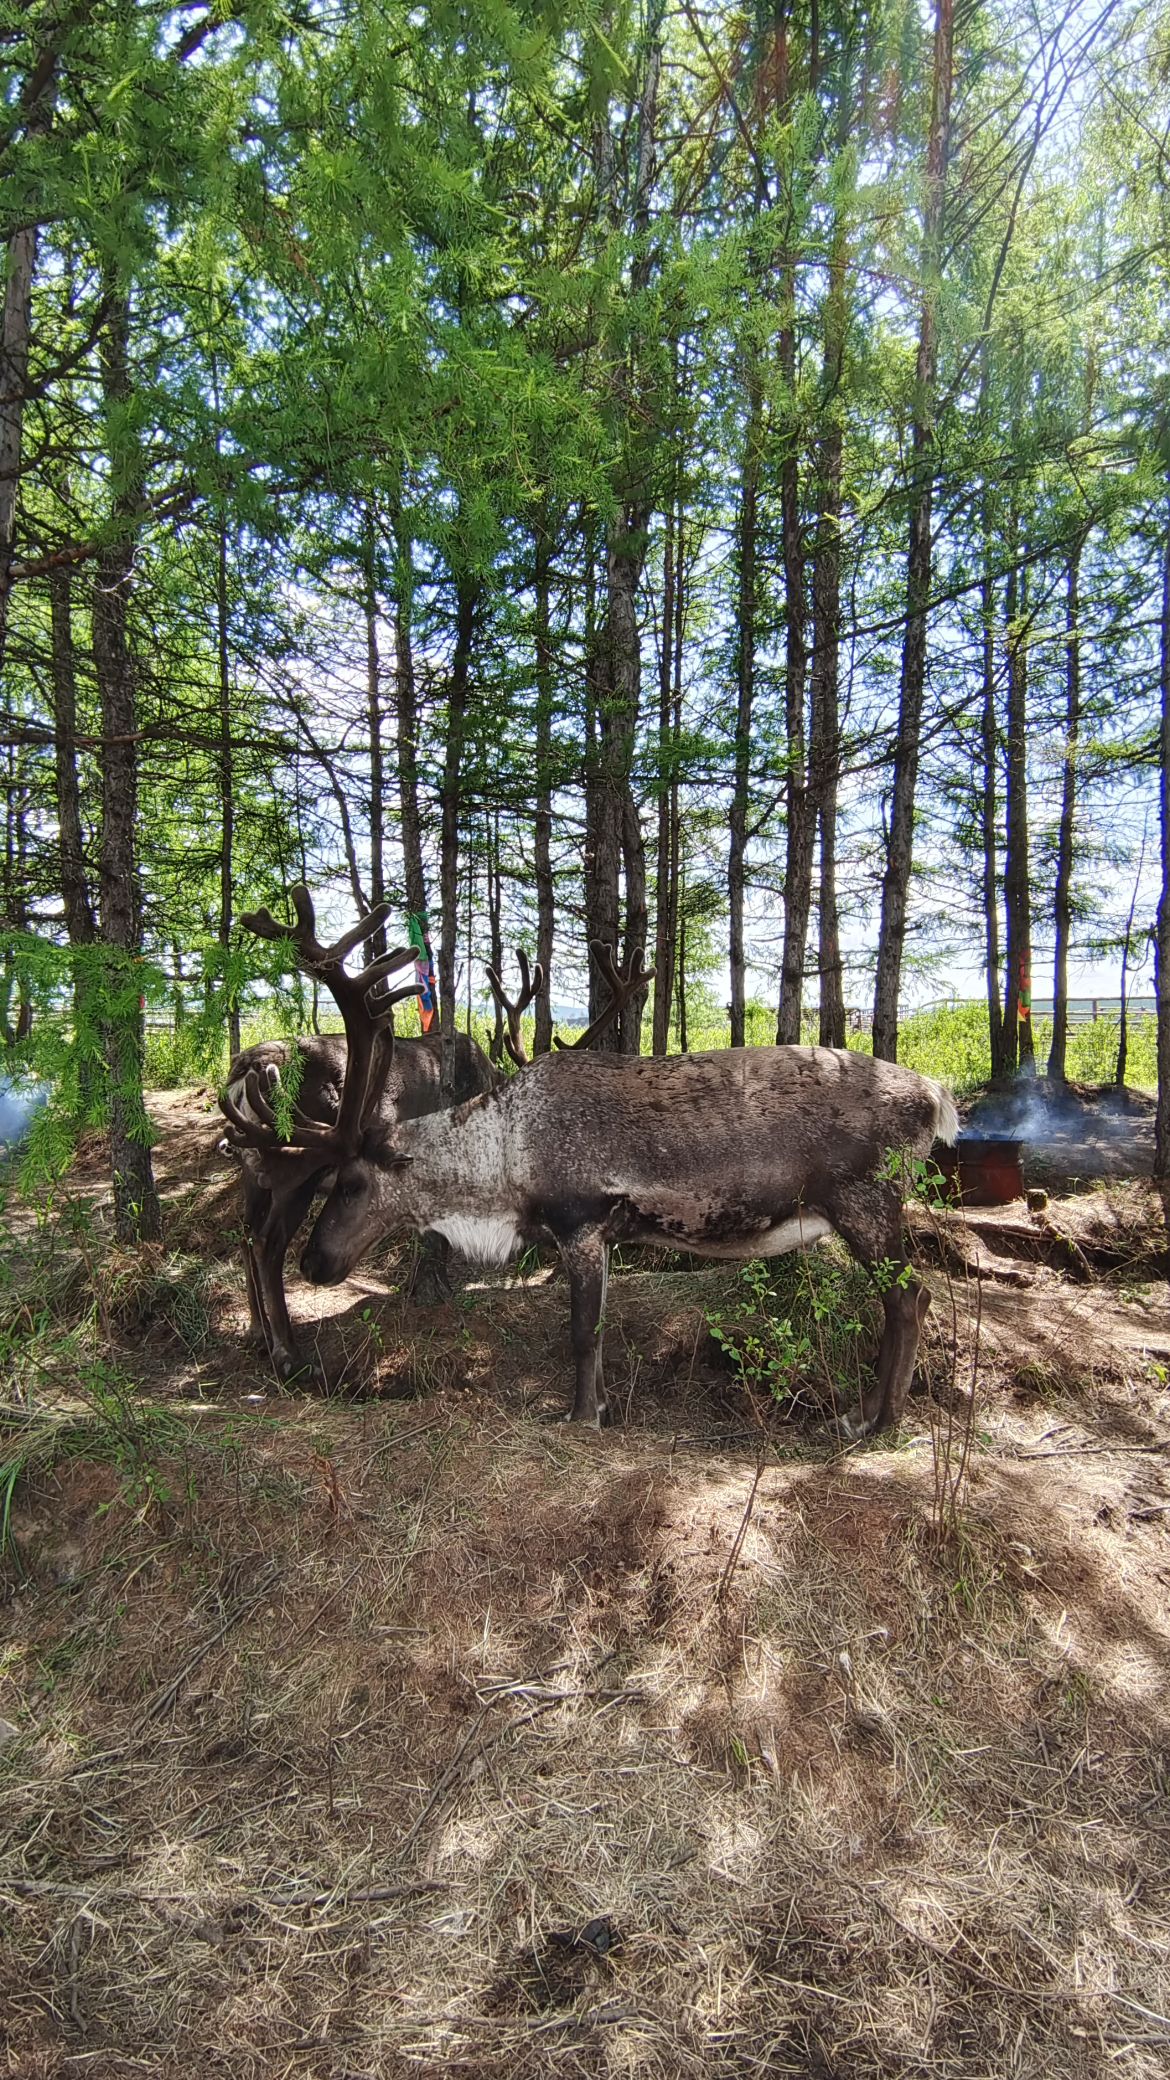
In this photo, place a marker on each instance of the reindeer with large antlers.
(281, 1176)
(742, 1153)
(286, 1163)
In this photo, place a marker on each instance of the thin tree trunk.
(1062, 893)
(466, 599)
(989, 738)
(377, 943)
(542, 847)
(14, 346)
(226, 774)
(745, 676)
(899, 859)
(76, 900)
(669, 718)
(406, 720)
(826, 586)
(617, 836)
(137, 1216)
(800, 812)
(681, 977)
(495, 929)
(637, 916)
(1018, 1042)
(1162, 927)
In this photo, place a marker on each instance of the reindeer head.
(370, 1198)
(367, 1013)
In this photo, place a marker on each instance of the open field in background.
(947, 1041)
(407, 1731)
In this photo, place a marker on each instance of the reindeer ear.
(378, 1148)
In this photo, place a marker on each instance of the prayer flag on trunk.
(424, 968)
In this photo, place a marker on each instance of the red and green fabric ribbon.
(424, 968)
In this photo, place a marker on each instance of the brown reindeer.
(280, 1179)
(282, 1172)
(742, 1153)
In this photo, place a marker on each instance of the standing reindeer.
(280, 1177)
(279, 1181)
(742, 1153)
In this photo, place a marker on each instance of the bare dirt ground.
(407, 1731)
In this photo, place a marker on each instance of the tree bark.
(14, 347)
(76, 901)
(745, 675)
(406, 720)
(825, 728)
(466, 600)
(1017, 1023)
(377, 943)
(137, 1216)
(1162, 926)
(989, 741)
(542, 846)
(801, 823)
(899, 858)
(226, 774)
(669, 726)
(1062, 893)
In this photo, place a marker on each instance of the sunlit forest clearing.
(671, 505)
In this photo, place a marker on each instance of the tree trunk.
(542, 848)
(76, 900)
(226, 774)
(406, 719)
(466, 600)
(669, 727)
(745, 675)
(1162, 927)
(495, 929)
(989, 738)
(1017, 1024)
(826, 749)
(137, 1216)
(826, 585)
(377, 943)
(616, 834)
(899, 858)
(1062, 894)
(681, 977)
(14, 346)
(801, 819)
(637, 917)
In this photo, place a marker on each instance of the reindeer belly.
(727, 1236)
(483, 1238)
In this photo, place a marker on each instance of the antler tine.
(247, 1132)
(367, 1017)
(531, 981)
(309, 1132)
(622, 987)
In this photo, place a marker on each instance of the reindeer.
(279, 1182)
(742, 1153)
(282, 1176)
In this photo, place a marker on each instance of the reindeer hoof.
(293, 1366)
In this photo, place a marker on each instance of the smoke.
(18, 1103)
(1029, 1110)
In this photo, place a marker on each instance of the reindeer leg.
(873, 1231)
(586, 1259)
(428, 1282)
(288, 1211)
(257, 1208)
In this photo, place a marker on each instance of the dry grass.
(430, 1736)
